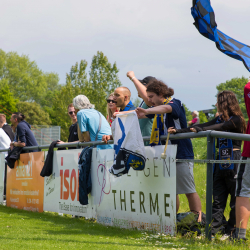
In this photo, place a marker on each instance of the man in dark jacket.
(24, 135)
(7, 129)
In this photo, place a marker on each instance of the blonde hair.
(109, 112)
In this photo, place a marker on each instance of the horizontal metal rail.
(212, 161)
(180, 136)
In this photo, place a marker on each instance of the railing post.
(209, 191)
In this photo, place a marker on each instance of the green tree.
(52, 88)
(188, 113)
(34, 114)
(237, 86)
(7, 100)
(202, 117)
(137, 101)
(76, 84)
(26, 81)
(103, 80)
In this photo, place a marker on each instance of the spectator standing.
(243, 180)
(4, 144)
(196, 119)
(7, 129)
(73, 134)
(24, 135)
(145, 123)
(224, 179)
(122, 97)
(92, 124)
(111, 108)
(171, 113)
(4, 141)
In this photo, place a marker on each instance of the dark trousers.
(224, 184)
(5, 178)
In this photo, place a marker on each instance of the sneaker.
(224, 237)
(238, 240)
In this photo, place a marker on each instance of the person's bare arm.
(107, 138)
(86, 136)
(17, 144)
(140, 87)
(83, 137)
(162, 109)
(123, 112)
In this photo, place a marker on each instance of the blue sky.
(154, 38)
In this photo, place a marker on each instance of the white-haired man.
(92, 124)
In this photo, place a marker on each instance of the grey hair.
(82, 102)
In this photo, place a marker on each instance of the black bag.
(13, 156)
(188, 222)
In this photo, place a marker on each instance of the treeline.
(237, 86)
(27, 89)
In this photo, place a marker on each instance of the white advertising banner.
(2, 170)
(142, 199)
(61, 188)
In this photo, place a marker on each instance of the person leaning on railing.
(231, 120)
(92, 125)
(168, 111)
(73, 133)
(24, 135)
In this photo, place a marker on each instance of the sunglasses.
(71, 112)
(111, 101)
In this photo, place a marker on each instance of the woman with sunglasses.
(224, 179)
(111, 108)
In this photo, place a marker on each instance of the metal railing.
(210, 135)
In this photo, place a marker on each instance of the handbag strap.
(100, 124)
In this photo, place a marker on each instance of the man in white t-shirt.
(4, 141)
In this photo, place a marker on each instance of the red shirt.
(194, 120)
(246, 147)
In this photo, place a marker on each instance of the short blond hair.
(2, 117)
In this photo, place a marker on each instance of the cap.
(147, 79)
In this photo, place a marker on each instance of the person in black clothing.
(73, 135)
(24, 135)
(224, 183)
(7, 129)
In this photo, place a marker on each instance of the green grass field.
(27, 230)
